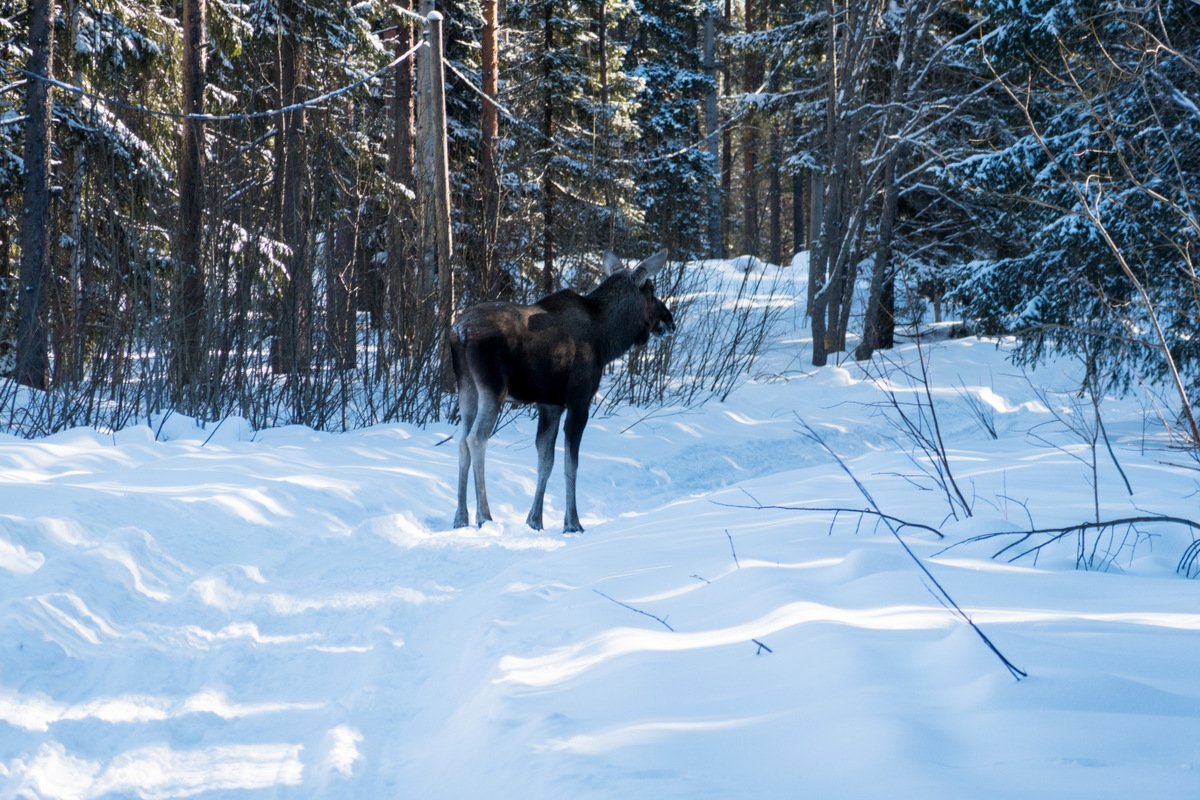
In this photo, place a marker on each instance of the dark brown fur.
(551, 353)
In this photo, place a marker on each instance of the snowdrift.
(285, 613)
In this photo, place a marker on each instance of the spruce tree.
(675, 171)
(1097, 188)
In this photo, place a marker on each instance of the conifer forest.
(231, 207)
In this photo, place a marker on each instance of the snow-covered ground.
(288, 613)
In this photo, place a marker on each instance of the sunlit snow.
(289, 614)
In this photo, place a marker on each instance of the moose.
(551, 353)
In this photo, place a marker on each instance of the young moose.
(551, 353)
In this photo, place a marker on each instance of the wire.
(113, 102)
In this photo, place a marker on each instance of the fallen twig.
(730, 538)
(658, 619)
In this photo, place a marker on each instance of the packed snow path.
(286, 613)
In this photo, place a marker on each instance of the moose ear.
(612, 264)
(650, 267)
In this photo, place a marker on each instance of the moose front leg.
(547, 434)
(573, 429)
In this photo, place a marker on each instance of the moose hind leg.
(468, 405)
(547, 434)
(477, 438)
(573, 430)
(468, 408)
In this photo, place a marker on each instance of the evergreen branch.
(1093, 216)
(591, 157)
(113, 102)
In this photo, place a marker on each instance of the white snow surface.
(287, 613)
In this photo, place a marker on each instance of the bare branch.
(654, 617)
(1013, 670)
(1188, 564)
(731, 550)
(870, 512)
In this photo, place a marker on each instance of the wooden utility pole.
(437, 241)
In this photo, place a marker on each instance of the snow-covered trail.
(287, 614)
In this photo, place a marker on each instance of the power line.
(154, 112)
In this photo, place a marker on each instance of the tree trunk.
(726, 135)
(32, 357)
(546, 284)
(5, 255)
(489, 137)
(854, 208)
(605, 126)
(880, 324)
(66, 293)
(878, 315)
(339, 283)
(850, 34)
(775, 197)
(816, 214)
(834, 261)
(751, 77)
(189, 311)
(820, 271)
(799, 228)
(716, 243)
(66, 335)
(293, 336)
(886, 325)
(390, 290)
(402, 107)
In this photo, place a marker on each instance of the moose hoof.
(572, 527)
(536, 524)
(460, 520)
